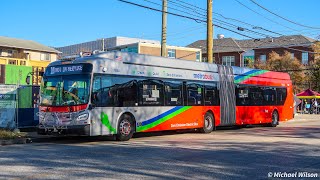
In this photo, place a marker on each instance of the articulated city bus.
(119, 93)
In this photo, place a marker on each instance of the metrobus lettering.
(203, 76)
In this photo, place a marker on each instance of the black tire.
(125, 128)
(275, 119)
(208, 124)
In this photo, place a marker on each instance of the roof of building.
(153, 45)
(25, 44)
(232, 45)
(219, 45)
(282, 41)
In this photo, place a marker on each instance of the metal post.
(209, 32)
(102, 44)
(17, 99)
(164, 29)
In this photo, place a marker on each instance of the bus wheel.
(208, 124)
(275, 119)
(125, 128)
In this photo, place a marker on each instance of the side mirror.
(28, 80)
(91, 106)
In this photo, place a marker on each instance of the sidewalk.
(35, 137)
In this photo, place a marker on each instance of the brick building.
(229, 51)
(155, 50)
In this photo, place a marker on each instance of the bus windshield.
(65, 90)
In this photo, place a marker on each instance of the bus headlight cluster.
(83, 117)
(41, 118)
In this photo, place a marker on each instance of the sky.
(59, 23)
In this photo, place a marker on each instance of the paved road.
(245, 153)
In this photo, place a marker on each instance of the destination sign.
(68, 69)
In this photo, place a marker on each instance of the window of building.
(247, 60)
(13, 62)
(171, 53)
(130, 49)
(292, 55)
(228, 60)
(198, 56)
(204, 59)
(305, 58)
(263, 58)
(0, 52)
(10, 53)
(23, 63)
(45, 56)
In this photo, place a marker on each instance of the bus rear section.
(262, 97)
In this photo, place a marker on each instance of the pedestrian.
(308, 105)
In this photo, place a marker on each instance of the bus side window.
(151, 92)
(124, 92)
(242, 96)
(255, 95)
(195, 94)
(269, 95)
(211, 94)
(95, 99)
(281, 95)
(106, 95)
(173, 93)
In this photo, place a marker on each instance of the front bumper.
(64, 130)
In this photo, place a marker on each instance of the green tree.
(314, 68)
(249, 62)
(285, 63)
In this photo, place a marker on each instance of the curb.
(42, 139)
(4, 142)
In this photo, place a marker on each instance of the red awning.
(308, 94)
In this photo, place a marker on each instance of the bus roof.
(120, 59)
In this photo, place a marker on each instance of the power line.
(196, 7)
(183, 16)
(192, 5)
(200, 20)
(220, 21)
(286, 19)
(218, 14)
(265, 16)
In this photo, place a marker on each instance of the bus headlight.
(83, 117)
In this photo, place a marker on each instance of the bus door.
(244, 110)
(227, 96)
(103, 114)
(96, 123)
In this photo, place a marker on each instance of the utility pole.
(164, 29)
(209, 32)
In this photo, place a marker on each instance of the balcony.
(23, 62)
